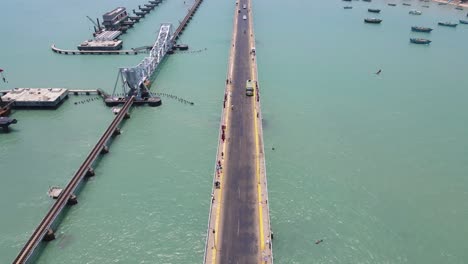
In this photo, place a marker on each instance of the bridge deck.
(186, 19)
(239, 226)
(46, 223)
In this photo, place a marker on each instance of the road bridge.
(239, 226)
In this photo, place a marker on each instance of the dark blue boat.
(447, 24)
(463, 21)
(421, 29)
(372, 10)
(372, 20)
(420, 41)
(5, 122)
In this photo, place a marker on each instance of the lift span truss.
(135, 80)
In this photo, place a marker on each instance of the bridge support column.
(72, 200)
(116, 132)
(105, 150)
(90, 172)
(49, 236)
(127, 115)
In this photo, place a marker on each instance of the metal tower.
(134, 80)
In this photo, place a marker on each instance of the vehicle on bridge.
(249, 88)
(244, 17)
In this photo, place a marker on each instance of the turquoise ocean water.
(374, 165)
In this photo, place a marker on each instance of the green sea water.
(374, 165)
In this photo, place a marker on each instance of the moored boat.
(372, 20)
(372, 10)
(392, 4)
(348, 7)
(420, 41)
(463, 21)
(366, 0)
(421, 29)
(406, 4)
(459, 8)
(447, 24)
(415, 12)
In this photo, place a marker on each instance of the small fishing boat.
(116, 110)
(447, 24)
(415, 12)
(372, 20)
(442, 3)
(347, 0)
(54, 192)
(459, 8)
(463, 21)
(366, 0)
(421, 29)
(426, 6)
(392, 4)
(420, 41)
(348, 7)
(406, 4)
(372, 10)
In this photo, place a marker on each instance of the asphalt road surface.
(239, 228)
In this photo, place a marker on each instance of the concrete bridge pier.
(90, 172)
(72, 200)
(105, 149)
(116, 132)
(49, 236)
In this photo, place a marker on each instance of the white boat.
(54, 192)
(415, 12)
(115, 110)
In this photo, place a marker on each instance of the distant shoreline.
(455, 3)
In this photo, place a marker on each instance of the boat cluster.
(413, 28)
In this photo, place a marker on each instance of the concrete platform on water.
(36, 97)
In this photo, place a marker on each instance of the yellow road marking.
(218, 209)
(259, 187)
(257, 160)
(226, 121)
